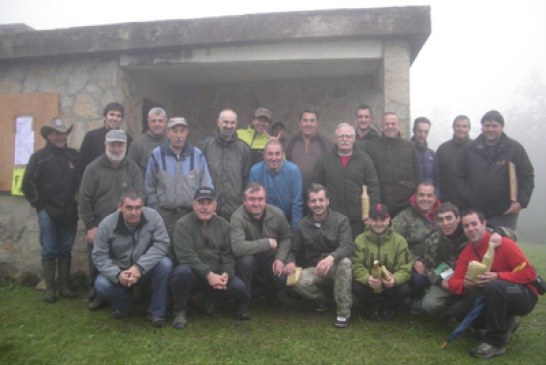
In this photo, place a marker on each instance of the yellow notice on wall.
(17, 181)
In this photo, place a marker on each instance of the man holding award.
(323, 244)
(506, 287)
(494, 174)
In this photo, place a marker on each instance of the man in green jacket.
(260, 239)
(380, 243)
(104, 180)
(324, 245)
(202, 249)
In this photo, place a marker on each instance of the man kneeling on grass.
(202, 248)
(380, 243)
(507, 288)
(131, 247)
(323, 243)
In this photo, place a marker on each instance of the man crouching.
(203, 250)
(130, 247)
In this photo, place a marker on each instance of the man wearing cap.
(323, 244)
(103, 182)
(343, 172)
(175, 170)
(380, 243)
(307, 146)
(256, 135)
(228, 159)
(93, 141)
(202, 249)
(483, 178)
(130, 248)
(260, 239)
(282, 181)
(365, 131)
(141, 148)
(50, 185)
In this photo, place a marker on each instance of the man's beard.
(114, 158)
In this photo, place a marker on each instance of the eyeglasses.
(345, 136)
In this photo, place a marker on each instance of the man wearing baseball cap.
(380, 243)
(50, 184)
(256, 135)
(202, 248)
(103, 182)
(175, 171)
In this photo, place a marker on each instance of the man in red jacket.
(507, 288)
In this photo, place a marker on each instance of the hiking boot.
(48, 266)
(341, 322)
(486, 351)
(321, 308)
(91, 295)
(63, 276)
(156, 321)
(179, 320)
(96, 304)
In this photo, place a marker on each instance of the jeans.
(120, 296)
(256, 271)
(418, 284)
(184, 282)
(56, 238)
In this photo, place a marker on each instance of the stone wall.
(84, 87)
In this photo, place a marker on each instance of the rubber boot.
(48, 266)
(63, 276)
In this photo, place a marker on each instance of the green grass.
(33, 332)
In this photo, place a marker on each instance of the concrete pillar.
(396, 92)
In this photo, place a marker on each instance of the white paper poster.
(24, 139)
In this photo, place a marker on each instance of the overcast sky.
(478, 56)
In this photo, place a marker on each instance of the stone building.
(329, 61)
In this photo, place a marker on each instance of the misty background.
(481, 55)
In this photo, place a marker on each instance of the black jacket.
(482, 177)
(50, 182)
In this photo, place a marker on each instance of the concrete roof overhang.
(309, 44)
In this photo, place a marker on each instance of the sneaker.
(321, 308)
(179, 320)
(416, 307)
(119, 314)
(388, 314)
(341, 322)
(156, 321)
(242, 313)
(371, 314)
(210, 309)
(485, 351)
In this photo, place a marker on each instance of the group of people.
(227, 219)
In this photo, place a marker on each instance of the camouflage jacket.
(440, 248)
(415, 228)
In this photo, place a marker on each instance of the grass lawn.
(34, 332)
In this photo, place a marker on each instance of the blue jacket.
(429, 166)
(283, 187)
(171, 181)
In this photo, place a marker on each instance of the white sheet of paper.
(24, 140)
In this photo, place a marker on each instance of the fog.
(481, 55)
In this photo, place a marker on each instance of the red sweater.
(508, 256)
